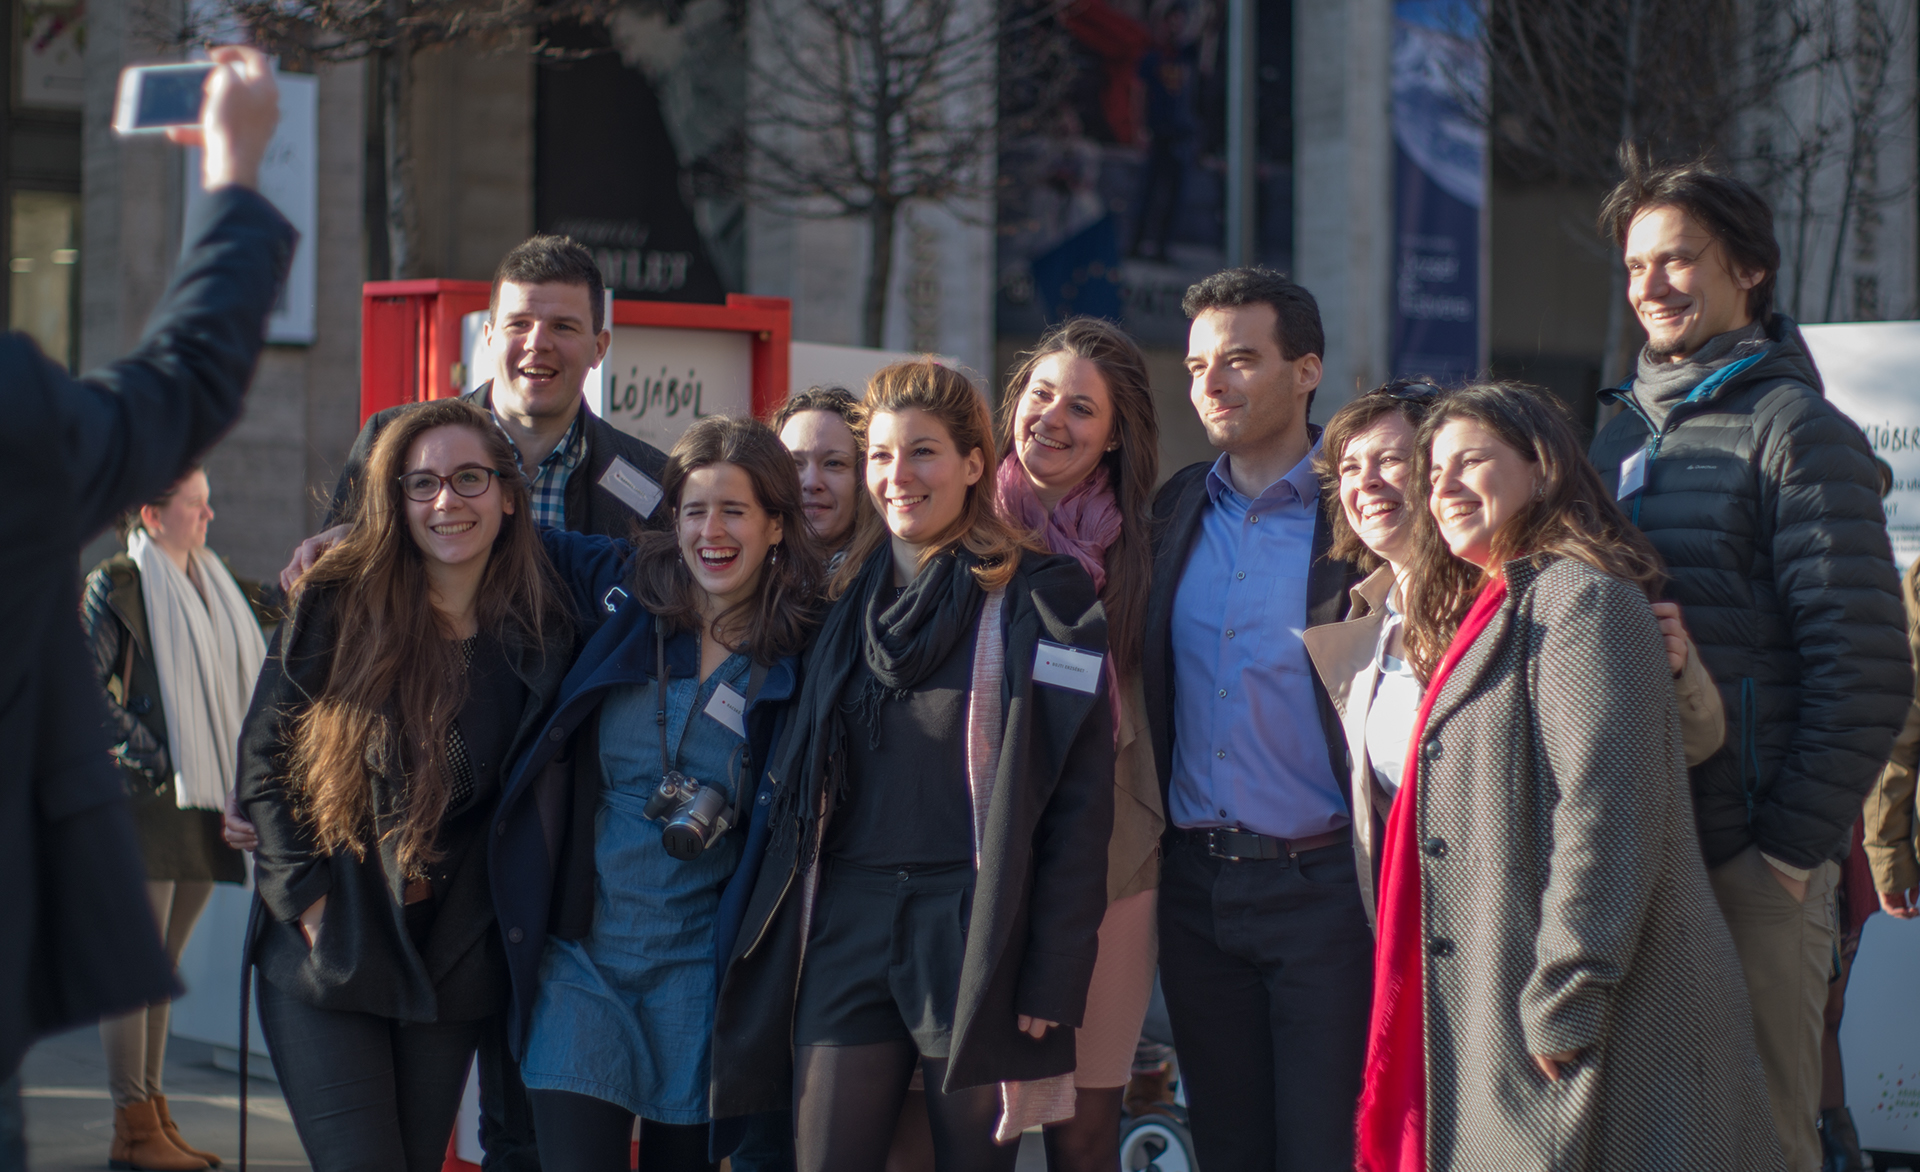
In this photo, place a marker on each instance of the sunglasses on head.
(1409, 390)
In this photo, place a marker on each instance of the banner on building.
(1440, 189)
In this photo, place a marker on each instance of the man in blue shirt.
(1265, 955)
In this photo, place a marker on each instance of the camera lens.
(682, 841)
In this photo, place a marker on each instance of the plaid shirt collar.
(548, 483)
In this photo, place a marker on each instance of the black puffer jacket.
(1765, 502)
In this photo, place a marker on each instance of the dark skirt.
(181, 844)
(883, 956)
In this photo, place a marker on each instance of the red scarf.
(1392, 1119)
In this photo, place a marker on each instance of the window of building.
(45, 263)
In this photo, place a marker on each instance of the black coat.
(1765, 502)
(1039, 898)
(590, 508)
(176, 844)
(1176, 524)
(364, 961)
(80, 935)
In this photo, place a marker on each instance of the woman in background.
(825, 429)
(176, 645)
(1080, 444)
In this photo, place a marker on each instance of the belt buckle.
(1214, 849)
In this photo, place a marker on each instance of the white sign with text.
(1868, 369)
(656, 380)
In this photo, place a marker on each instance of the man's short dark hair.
(1732, 213)
(552, 260)
(1296, 313)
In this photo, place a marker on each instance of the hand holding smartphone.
(153, 98)
(228, 105)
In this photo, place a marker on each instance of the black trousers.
(1267, 967)
(506, 1117)
(367, 1093)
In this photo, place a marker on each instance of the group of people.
(1476, 798)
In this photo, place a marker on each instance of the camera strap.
(756, 677)
(660, 683)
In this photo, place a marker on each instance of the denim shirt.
(626, 1014)
(1249, 749)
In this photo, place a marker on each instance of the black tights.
(846, 1101)
(1090, 1141)
(579, 1133)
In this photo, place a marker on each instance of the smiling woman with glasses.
(420, 653)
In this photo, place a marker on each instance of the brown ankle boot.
(139, 1145)
(173, 1132)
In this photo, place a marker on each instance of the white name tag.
(729, 708)
(635, 488)
(1633, 474)
(1067, 667)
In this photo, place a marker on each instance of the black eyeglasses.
(1409, 390)
(467, 482)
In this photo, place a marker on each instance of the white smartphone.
(152, 98)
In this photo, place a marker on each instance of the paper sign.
(1633, 474)
(1066, 667)
(729, 708)
(634, 488)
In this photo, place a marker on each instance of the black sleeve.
(355, 468)
(129, 430)
(289, 870)
(107, 638)
(1840, 596)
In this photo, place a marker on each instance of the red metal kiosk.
(410, 337)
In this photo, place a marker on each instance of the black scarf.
(903, 641)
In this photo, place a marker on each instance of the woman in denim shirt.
(613, 889)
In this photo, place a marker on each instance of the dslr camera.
(696, 815)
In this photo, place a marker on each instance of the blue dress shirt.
(1249, 749)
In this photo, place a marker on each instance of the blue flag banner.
(1439, 157)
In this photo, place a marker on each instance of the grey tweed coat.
(1566, 907)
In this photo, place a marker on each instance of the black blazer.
(590, 508)
(1039, 897)
(79, 452)
(365, 961)
(1176, 523)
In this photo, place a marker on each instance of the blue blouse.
(626, 1015)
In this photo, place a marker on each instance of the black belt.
(1241, 845)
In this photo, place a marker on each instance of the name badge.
(1633, 474)
(634, 488)
(1067, 667)
(729, 708)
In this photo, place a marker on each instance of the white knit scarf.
(208, 655)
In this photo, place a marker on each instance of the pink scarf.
(1082, 526)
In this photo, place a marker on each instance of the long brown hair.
(779, 619)
(1132, 468)
(397, 678)
(945, 394)
(1573, 516)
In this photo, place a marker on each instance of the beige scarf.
(207, 654)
